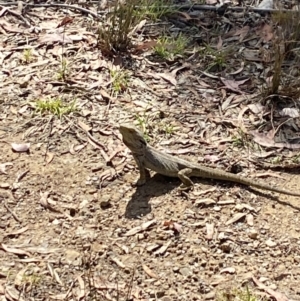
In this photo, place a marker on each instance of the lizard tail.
(242, 180)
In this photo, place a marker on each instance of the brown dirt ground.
(63, 223)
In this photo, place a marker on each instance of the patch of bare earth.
(72, 227)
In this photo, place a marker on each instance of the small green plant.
(169, 47)
(240, 140)
(27, 55)
(155, 9)
(63, 72)
(169, 129)
(119, 79)
(296, 159)
(166, 128)
(31, 279)
(239, 295)
(217, 58)
(277, 160)
(55, 107)
(113, 34)
(142, 124)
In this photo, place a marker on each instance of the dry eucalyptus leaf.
(168, 77)
(210, 231)
(3, 167)
(13, 294)
(149, 272)
(17, 232)
(291, 112)
(237, 217)
(249, 219)
(266, 4)
(4, 185)
(267, 139)
(81, 290)
(12, 249)
(140, 228)
(49, 157)
(207, 202)
(277, 295)
(163, 248)
(84, 126)
(256, 108)
(118, 262)
(229, 270)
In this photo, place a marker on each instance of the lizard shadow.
(156, 186)
(264, 194)
(273, 198)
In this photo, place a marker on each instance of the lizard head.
(132, 138)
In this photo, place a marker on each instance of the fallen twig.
(12, 213)
(74, 7)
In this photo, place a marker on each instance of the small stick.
(12, 213)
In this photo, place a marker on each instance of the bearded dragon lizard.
(147, 157)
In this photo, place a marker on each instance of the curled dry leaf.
(291, 112)
(140, 228)
(100, 283)
(52, 38)
(84, 126)
(12, 249)
(138, 27)
(61, 296)
(45, 203)
(249, 219)
(3, 167)
(209, 231)
(17, 232)
(118, 262)
(256, 108)
(168, 77)
(54, 274)
(145, 46)
(76, 149)
(228, 270)
(42, 250)
(11, 293)
(20, 147)
(49, 157)
(267, 139)
(43, 199)
(66, 20)
(105, 95)
(4, 185)
(19, 279)
(149, 272)
(232, 84)
(237, 217)
(163, 249)
(21, 175)
(206, 201)
(81, 291)
(276, 295)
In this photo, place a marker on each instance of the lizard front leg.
(183, 175)
(144, 173)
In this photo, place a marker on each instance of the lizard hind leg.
(183, 175)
